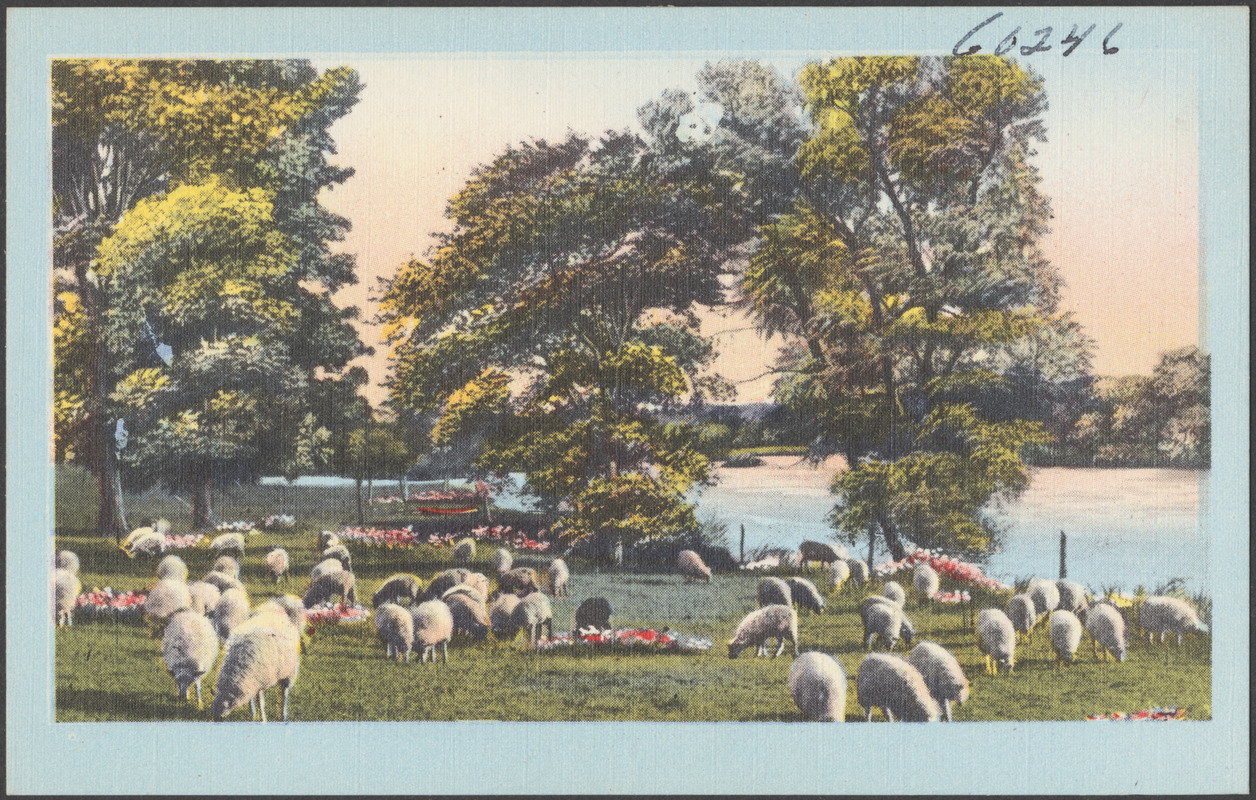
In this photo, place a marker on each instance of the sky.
(1120, 167)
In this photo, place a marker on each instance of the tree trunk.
(110, 514)
(100, 455)
(202, 497)
(892, 542)
(361, 511)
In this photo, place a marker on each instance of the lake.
(1125, 527)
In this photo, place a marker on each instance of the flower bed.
(108, 603)
(630, 638)
(406, 537)
(183, 540)
(1155, 714)
(335, 612)
(433, 496)
(947, 566)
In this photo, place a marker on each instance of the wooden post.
(1063, 546)
(743, 543)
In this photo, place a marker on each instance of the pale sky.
(1120, 167)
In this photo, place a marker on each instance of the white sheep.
(1166, 615)
(926, 581)
(839, 572)
(189, 647)
(288, 605)
(326, 567)
(228, 543)
(885, 618)
(227, 566)
(469, 613)
(858, 572)
(464, 551)
(774, 591)
(558, 576)
(479, 582)
(433, 626)
(502, 560)
(165, 598)
(532, 614)
(892, 684)
(395, 628)
(1046, 596)
(327, 539)
(277, 563)
(1107, 629)
(818, 686)
(691, 566)
(942, 673)
(172, 567)
(501, 615)
(162, 526)
(452, 577)
(823, 552)
(1066, 635)
(66, 588)
(68, 561)
(1072, 595)
(805, 594)
(771, 621)
(894, 591)
(204, 597)
(395, 588)
(324, 588)
(341, 554)
(231, 609)
(144, 540)
(1022, 613)
(996, 638)
(259, 655)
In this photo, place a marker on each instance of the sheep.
(892, 684)
(464, 551)
(1066, 634)
(221, 582)
(690, 565)
(1107, 629)
(66, 591)
(1021, 611)
(594, 612)
(823, 552)
(1046, 596)
(189, 647)
(444, 581)
(327, 539)
(501, 613)
(942, 673)
(323, 589)
(805, 594)
(204, 597)
(1168, 615)
(520, 581)
(558, 575)
(395, 628)
(818, 686)
(858, 572)
(502, 560)
(172, 567)
(68, 561)
(465, 588)
(341, 554)
(165, 598)
(162, 526)
(996, 639)
(925, 579)
(774, 591)
(227, 566)
(433, 626)
(894, 591)
(882, 617)
(470, 615)
(532, 614)
(288, 605)
(265, 654)
(396, 588)
(1072, 596)
(771, 621)
(839, 571)
(277, 563)
(144, 540)
(231, 609)
(326, 567)
(229, 543)
(479, 582)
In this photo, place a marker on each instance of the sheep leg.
(946, 710)
(199, 704)
(287, 687)
(261, 703)
(444, 652)
(868, 714)
(1162, 633)
(253, 708)
(889, 715)
(1179, 640)
(781, 649)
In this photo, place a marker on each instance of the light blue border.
(612, 757)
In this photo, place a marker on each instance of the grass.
(770, 450)
(107, 670)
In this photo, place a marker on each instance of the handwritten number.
(975, 48)
(1041, 46)
(1107, 51)
(1008, 42)
(1075, 39)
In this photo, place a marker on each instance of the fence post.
(1063, 546)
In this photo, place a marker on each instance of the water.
(1125, 527)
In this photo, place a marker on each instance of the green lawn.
(108, 670)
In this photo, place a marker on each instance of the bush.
(743, 460)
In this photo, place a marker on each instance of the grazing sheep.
(502, 560)
(893, 685)
(1169, 615)
(823, 552)
(1072, 596)
(894, 591)
(327, 539)
(1066, 634)
(592, 613)
(165, 598)
(501, 613)
(144, 540)
(926, 581)
(805, 594)
(204, 597)
(227, 566)
(558, 575)
(171, 567)
(690, 565)
(433, 625)
(771, 621)
(818, 686)
(996, 638)
(326, 567)
(444, 581)
(231, 609)
(479, 582)
(1107, 627)
(288, 605)
(520, 581)
(266, 654)
(221, 581)
(942, 673)
(533, 613)
(395, 628)
(464, 551)
(882, 617)
(68, 561)
(465, 588)
(470, 615)
(1046, 596)
(229, 543)
(323, 589)
(341, 554)
(1022, 613)
(858, 572)
(66, 591)
(189, 647)
(839, 571)
(774, 591)
(397, 588)
(277, 563)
